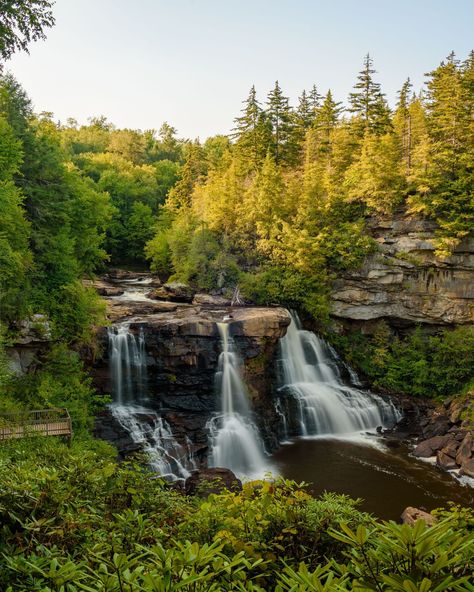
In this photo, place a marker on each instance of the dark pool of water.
(387, 481)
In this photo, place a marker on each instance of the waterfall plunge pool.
(387, 480)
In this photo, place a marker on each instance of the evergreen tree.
(403, 123)
(367, 103)
(314, 99)
(251, 131)
(448, 101)
(328, 115)
(283, 146)
(193, 169)
(304, 115)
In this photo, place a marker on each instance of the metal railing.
(44, 422)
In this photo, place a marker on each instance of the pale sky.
(192, 62)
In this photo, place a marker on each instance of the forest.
(278, 209)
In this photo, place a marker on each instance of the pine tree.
(279, 115)
(328, 115)
(448, 118)
(368, 102)
(180, 197)
(314, 99)
(251, 131)
(304, 115)
(403, 123)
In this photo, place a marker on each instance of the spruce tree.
(314, 99)
(368, 102)
(279, 115)
(251, 132)
(304, 115)
(403, 123)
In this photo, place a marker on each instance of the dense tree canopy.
(287, 200)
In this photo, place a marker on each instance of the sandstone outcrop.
(404, 282)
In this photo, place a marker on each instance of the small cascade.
(152, 433)
(316, 400)
(127, 355)
(128, 364)
(235, 440)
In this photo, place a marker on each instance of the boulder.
(174, 292)
(109, 291)
(210, 300)
(410, 515)
(465, 450)
(429, 447)
(212, 480)
(445, 462)
(467, 468)
(451, 448)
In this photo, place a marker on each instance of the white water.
(127, 354)
(153, 434)
(235, 440)
(325, 405)
(128, 364)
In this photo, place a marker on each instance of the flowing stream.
(146, 428)
(234, 436)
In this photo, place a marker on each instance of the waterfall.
(128, 364)
(316, 400)
(146, 428)
(129, 385)
(235, 440)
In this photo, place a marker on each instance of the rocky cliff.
(404, 282)
(182, 347)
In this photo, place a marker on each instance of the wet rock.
(182, 352)
(437, 427)
(464, 452)
(213, 480)
(467, 468)
(445, 462)
(174, 292)
(429, 447)
(451, 448)
(118, 310)
(410, 515)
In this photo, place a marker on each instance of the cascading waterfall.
(128, 364)
(153, 434)
(127, 355)
(314, 392)
(235, 440)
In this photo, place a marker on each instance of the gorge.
(249, 389)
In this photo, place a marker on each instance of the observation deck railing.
(44, 422)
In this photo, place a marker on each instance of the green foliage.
(406, 558)
(60, 382)
(418, 364)
(72, 519)
(21, 22)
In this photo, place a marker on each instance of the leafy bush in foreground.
(73, 520)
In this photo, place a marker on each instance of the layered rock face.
(404, 282)
(183, 347)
